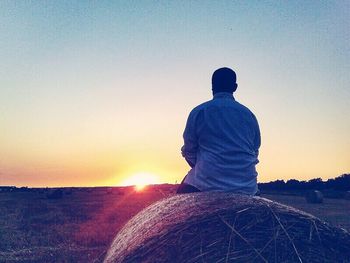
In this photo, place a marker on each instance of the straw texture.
(227, 227)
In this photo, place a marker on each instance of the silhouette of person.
(221, 142)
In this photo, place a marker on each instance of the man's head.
(224, 80)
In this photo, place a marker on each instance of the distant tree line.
(340, 183)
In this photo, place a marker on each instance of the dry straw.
(226, 227)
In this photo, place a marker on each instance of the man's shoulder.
(201, 106)
(216, 103)
(244, 109)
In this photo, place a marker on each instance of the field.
(80, 226)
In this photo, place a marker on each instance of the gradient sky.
(92, 92)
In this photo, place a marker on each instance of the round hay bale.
(221, 227)
(314, 197)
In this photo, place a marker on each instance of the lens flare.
(141, 180)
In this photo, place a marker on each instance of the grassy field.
(80, 226)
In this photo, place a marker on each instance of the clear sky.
(94, 92)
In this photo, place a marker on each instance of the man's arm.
(257, 138)
(189, 149)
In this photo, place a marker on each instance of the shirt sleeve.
(257, 138)
(189, 149)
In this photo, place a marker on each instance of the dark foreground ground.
(80, 226)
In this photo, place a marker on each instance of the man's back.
(222, 141)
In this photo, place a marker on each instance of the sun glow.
(141, 180)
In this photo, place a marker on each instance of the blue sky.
(92, 92)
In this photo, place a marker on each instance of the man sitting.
(221, 142)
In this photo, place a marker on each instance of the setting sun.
(141, 180)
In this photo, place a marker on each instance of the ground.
(80, 226)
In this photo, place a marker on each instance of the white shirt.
(221, 144)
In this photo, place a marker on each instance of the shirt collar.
(223, 95)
